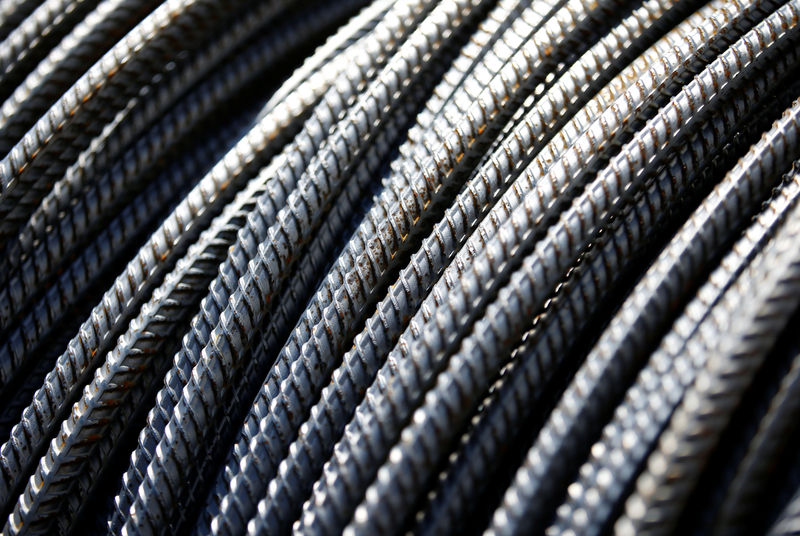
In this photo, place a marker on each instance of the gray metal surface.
(383, 267)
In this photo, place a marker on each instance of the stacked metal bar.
(399, 266)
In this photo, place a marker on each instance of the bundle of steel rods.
(399, 266)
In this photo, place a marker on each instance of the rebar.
(399, 266)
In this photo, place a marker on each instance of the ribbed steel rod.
(399, 266)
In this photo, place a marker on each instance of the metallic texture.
(415, 266)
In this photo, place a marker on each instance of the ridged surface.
(399, 266)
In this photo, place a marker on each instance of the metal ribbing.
(417, 266)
